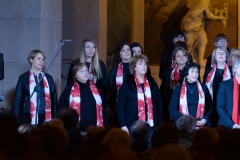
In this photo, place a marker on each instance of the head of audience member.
(95, 135)
(80, 72)
(69, 117)
(123, 53)
(164, 134)
(182, 44)
(186, 123)
(170, 152)
(117, 139)
(54, 138)
(54, 122)
(25, 129)
(138, 64)
(9, 121)
(221, 40)
(191, 72)
(136, 48)
(140, 130)
(205, 139)
(221, 130)
(228, 146)
(220, 54)
(234, 55)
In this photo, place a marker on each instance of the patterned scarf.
(33, 99)
(210, 77)
(119, 78)
(92, 76)
(235, 114)
(175, 75)
(75, 101)
(183, 107)
(141, 101)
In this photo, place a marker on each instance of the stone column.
(27, 25)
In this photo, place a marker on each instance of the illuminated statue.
(192, 25)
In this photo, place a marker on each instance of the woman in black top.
(191, 98)
(216, 74)
(97, 69)
(43, 102)
(116, 77)
(83, 96)
(139, 97)
(173, 75)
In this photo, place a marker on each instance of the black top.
(218, 77)
(166, 60)
(101, 83)
(112, 83)
(127, 109)
(40, 94)
(22, 97)
(88, 104)
(192, 101)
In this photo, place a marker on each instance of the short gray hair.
(186, 123)
(222, 49)
(235, 65)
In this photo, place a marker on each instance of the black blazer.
(174, 104)
(22, 96)
(127, 109)
(225, 103)
(101, 83)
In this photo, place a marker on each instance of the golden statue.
(192, 25)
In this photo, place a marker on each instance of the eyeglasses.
(180, 38)
(222, 40)
(82, 71)
(236, 56)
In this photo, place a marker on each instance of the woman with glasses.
(83, 96)
(234, 55)
(220, 71)
(173, 75)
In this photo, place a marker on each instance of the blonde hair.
(95, 60)
(33, 54)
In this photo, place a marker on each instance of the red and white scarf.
(119, 79)
(235, 113)
(33, 99)
(92, 76)
(141, 101)
(75, 101)
(210, 77)
(183, 106)
(175, 75)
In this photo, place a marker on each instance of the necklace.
(191, 90)
(220, 70)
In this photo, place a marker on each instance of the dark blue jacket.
(127, 109)
(174, 104)
(225, 103)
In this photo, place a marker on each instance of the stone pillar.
(83, 19)
(27, 25)
(137, 21)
